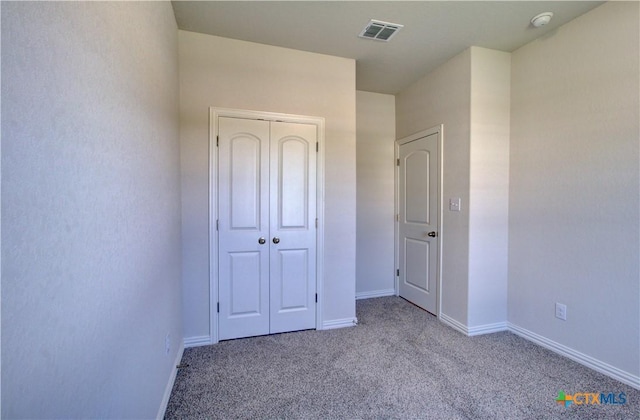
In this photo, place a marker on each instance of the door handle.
(432, 234)
(261, 241)
(276, 240)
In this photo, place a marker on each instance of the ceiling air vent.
(379, 30)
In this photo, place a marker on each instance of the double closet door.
(266, 227)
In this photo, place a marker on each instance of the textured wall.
(489, 187)
(376, 125)
(573, 201)
(444, 97)
(469, 95)
(226, 73)
(90, 208)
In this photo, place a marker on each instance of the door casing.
(214, 114)
(439, 129)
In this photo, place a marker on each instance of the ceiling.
(434, 31)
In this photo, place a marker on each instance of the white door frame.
(214, 114)
(420, 134)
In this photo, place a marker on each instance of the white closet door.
(293, 230)
(243, 211)
(266, 227)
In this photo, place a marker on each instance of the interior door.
(266, 227)
(418, 221)
(292, 225)
(243, 227)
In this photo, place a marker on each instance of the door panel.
(293, 204)
(291, 270)
(243, 194)
(417, 182)
(417, 227)
(417, 264)
(292, 295)
(244, 182)
(245, 284)
(293, 176)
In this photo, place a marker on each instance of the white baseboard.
(477, 330)
(375, 294)
(339, 323)
(169, 387)
(487, 329)
(202, 340)
(458, 326)
(576, 356)
(588, 361)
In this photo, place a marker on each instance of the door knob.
(261, 241)
(432, 234)
(276, 240)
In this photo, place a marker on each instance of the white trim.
(375, 294)
(439, 129)
(441, 228)
(487, 329)
(396, 216)
(320, 230)
(472, 331)
(456, 325)
(213, 217)
(202, 340)
(214, 114)
(339, 323)
(585, 360)
(169, 387)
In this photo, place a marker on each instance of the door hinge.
(218, 307)
(316, 298)
(397, 162)
(398, 272)
(217, 224)
(217, 140)
(397, 217)
(316, 223)
(317, 146)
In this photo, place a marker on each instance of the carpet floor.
(399, 362)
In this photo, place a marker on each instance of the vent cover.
(379, 30)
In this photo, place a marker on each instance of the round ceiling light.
(541, 19)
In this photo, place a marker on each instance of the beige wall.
(574, 203)
(90, 209)
(376, 127)
(489, 187)
(221, 72)
(444, 97)
(469, 95)
(547, 168)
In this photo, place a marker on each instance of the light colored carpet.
(399, 362)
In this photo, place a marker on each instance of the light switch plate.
(454, 204)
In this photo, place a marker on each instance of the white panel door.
(243, 211)
(418, 221)
(293, 230)
(267, 235)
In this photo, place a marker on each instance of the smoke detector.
(541, 19)
(379, 30)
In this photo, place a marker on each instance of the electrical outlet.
(167, 344)
(561, 311)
